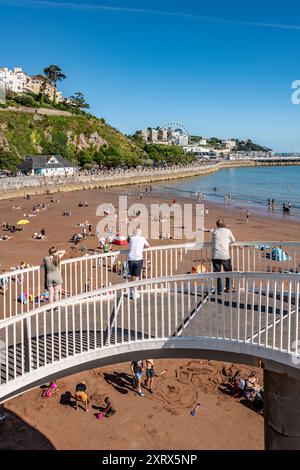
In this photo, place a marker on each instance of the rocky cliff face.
(84, 142)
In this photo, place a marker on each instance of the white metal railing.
(23, 290)
(263, 317)
(266, 256)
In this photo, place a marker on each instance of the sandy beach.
(60, 229)
(161, 420)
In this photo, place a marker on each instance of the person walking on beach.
(53, 278)
(137, 368)
(137, 243)
(222, 238)
(247, 215)
(149, 374)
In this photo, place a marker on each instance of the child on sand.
(48, 392)
(109, 409)
(81, 396)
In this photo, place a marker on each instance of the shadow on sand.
(120, 381)
(16, 434)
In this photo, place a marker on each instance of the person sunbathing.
(252, 381)
(38, 236)
(76, 238)
(5, 238)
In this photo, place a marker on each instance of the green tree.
(85, 158)
(54, 74)
(167, 154)
(138, 139)
(8, 160)
(78, 101)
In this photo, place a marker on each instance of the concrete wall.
(281, 412)
(15, 187)
(39, 111)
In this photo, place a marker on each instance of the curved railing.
(258, 317)
(23, 290)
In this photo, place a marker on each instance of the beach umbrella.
(23, 222)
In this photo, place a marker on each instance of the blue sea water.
(249, 188)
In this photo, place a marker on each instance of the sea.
(249, 188)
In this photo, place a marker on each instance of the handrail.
(261, 243)
(23, 287)
(152, 281)
(260, 318)
(153, 248)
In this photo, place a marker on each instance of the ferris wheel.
(176, 127)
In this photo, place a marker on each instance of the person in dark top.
(137, 368)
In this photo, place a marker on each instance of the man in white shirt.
(137, 244)
(222, 238)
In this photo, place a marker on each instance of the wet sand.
(158, 421)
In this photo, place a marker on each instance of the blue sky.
(221, 68)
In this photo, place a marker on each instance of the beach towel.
(277, 254)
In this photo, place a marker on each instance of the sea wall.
(18, 186)
(41, 111)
